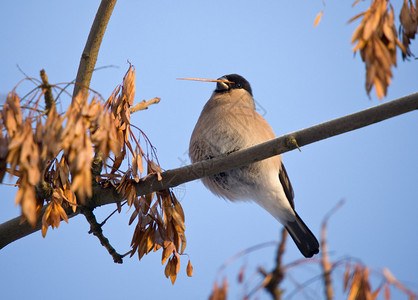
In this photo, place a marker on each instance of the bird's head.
(232, 81)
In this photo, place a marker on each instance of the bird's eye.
(238, 85)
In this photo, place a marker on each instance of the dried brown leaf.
(54, 213)
(128, 89)
(173, 278)
(318, 18)
(241, 274)
(146, 202)
(45, 220)
(62, 213)
(356, 17)
(176, 259)
(355, 2)
(376, 293)
(215, 292)
(355, 283)
(374, 17)
(153, 167)
(183, 243)
(380, 88)
(129, 193)
(169, 268)
(189, 269)
(27, 200)
(133, 216)
(409, 19)
(169, 248)
(346, 276)
(118, 161)
(12, 114)
(150, 239)
(219, 293)
(388, 32)
(139, 162)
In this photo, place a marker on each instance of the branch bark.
(15, 229)
(285, 143)
(91, 50)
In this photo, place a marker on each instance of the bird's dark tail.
(303, 237)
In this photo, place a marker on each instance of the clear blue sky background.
(300, 76)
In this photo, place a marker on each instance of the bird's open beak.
(222, 84)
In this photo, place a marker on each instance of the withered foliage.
(57, 158)
(51, 155)
(220, 292)
(409, 25)
(160, 225)
(357, 279)
(357, 283)
(377, 40)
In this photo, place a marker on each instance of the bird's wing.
(287, 186)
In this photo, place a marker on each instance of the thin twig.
(277, 274)
(327, 266)
(96, 229)
(143, 104)
(242, 253)
(113, 212)
(127, 253)
(34, 80)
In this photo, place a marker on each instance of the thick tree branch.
(15, 229)
(91, 50)
(241, 158)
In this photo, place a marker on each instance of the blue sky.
(300, 76)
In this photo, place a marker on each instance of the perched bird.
(228, 123)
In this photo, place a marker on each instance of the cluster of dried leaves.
(409, 25)
(160, 225)
(357, 282)
(58, 158)
(377, 40)
(52, 155)
(358, 285)
(220, 292)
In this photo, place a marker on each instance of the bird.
(229, 122)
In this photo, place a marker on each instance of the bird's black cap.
(239, 82)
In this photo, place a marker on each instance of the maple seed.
(189, 269)
(318, 18)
